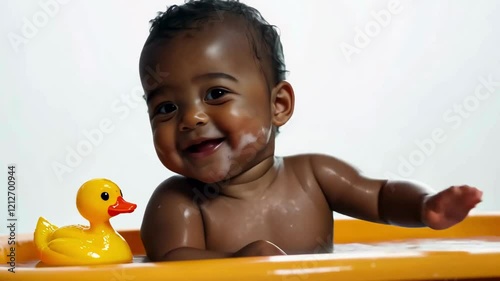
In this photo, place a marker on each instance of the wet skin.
(211, 93)
(213, 119)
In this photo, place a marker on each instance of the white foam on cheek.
(245, 140)
(229, 162)
(231, 156)
(252, 140)
(225, 163)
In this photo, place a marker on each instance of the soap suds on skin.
(228, 164)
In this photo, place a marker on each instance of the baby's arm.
(172, 228)
(403, 203)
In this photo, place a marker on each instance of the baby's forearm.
(401, 203)
(256, 248)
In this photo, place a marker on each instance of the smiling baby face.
(212, 115)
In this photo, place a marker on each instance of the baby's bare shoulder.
(170, 202)
(302, 166)
(169, 215)
(174, 189)
(316, 161)
(311, 160)
(317, 167)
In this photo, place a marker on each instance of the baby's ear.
(283, 102)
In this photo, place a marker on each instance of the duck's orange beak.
(121, 206)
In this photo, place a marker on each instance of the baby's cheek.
(162, 140)
(165, 148)
(248, 118)
(261, 140)
(251, 142)
(240, 111)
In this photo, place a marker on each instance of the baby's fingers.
(468, 195)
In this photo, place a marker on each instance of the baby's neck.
(253, 182)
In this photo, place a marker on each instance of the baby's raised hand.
(450, 206)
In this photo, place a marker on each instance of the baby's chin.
(212, 178)
(208, 177)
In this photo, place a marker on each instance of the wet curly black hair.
(195, 12)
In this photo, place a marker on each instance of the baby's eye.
(216, 93)
(165, 108)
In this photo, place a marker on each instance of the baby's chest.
(298, 223)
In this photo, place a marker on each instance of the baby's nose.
(195, 117)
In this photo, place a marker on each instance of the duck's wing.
(43, 233)
(69, 251)
(70, 231)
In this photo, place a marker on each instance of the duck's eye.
(105, 196)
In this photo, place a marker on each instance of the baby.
(215, 111)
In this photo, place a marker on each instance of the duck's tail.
(43, 231)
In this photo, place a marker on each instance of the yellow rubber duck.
(97, 200)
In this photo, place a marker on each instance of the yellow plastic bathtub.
(363, 251)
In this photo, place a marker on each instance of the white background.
(78, 67)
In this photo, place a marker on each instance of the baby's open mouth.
(205, 146)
